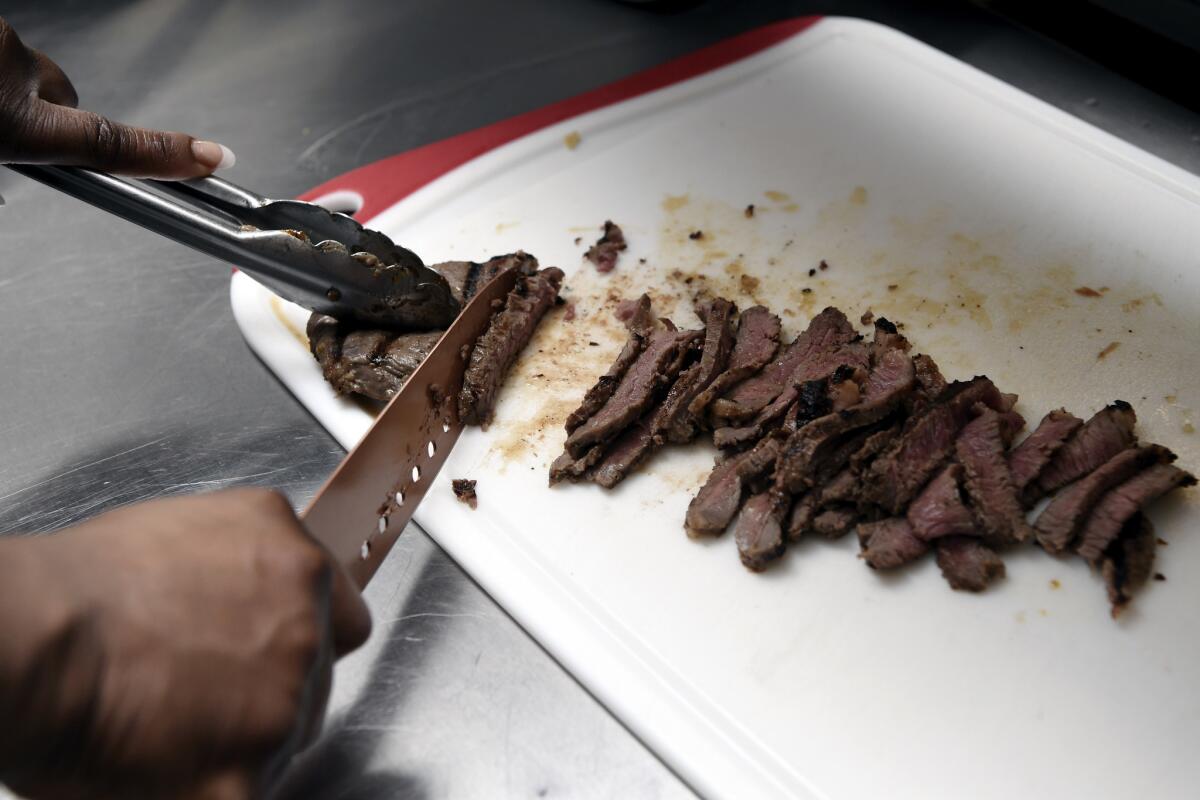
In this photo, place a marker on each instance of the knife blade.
(364, 505)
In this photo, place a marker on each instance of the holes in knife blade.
(399, 498)
(365, 552)
(431, 448)
(383, 520)
(445, 427)
(416, 474)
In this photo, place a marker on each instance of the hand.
(184, 649)
(39, 124)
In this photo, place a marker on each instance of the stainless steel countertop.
(124, 377)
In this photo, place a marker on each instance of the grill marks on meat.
(967, 564)
(1107, 433)
(1128, 562)
(1030, 457)
(755, 345)
(506, 336)
(1060, 521)
(828, 331)
(895, 477)
(376, 363)
(980, 449)
(607, 249)
(1120, 504)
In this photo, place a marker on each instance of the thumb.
(86, 139)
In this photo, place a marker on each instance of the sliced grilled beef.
(980, 449)
(939, 510)
(1128, 562)
(756, 343)
(640, 324)
(607, 249)
(714, 506)
(836, 522)
(507, 334)
(757, 530)
(1119, 505)
(930, 383)
(887, 337)
(967, 563)
(467, 277)
(804, 457)
(839, 366)
(637, 390)
(889, 543)
(1107, 433)
(927, 440)
(371, 363)
(1059, 522)
(676, 423)
(800, 518)
(1030, 457)
(828, 331)
(568, 468)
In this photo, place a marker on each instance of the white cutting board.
(983, 209)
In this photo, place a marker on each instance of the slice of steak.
(607, 249)
(836, 522)
(872, 446)
(637, 390)
(714, 506)
(1107, 433)
(889, 543)
(1119, 505)
(805, 459)
(1030, 457)
(841, 488)
(625, 454)
(800, 518)
(756, 343)
(980, 449)
(497, 349)
(930, 383)
(939, 511)
(676, 423)
(468, 277)
(967, 563)
(799, 405)
(887, 337)
(829, 372)
(640, 324)
(828, 331)
(1128, 562)
(1060, 521)
(757, 530)
(568, 468)
(927, 440)
(371, 363)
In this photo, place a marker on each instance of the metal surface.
(321, 260)
(108, 402)
(361, 510)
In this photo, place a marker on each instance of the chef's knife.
(360, 511)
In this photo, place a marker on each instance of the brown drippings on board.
(777, 197)
(277, 310)
(1055, 583)
(1087, 291)
(1111, 347)
(749, 212)
(859, 196)
(572, 140)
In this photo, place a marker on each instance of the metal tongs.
(323, 260)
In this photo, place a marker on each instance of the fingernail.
(213, 155)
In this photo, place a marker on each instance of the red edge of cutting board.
(384, 183)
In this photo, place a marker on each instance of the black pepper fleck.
(695, 235)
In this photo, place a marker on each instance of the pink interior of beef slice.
(825, 334)
(1107, 433)
(754, 346)
(497, 349)
(376, 363)
(835, 434)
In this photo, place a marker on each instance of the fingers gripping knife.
(329, 263)
(316, 258)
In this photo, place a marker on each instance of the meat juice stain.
(297, 334)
